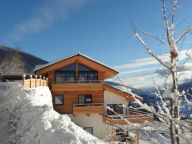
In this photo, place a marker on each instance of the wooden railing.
(70, 86)
(129, 120)
(34, 81)
(88, 108)
(132, 117)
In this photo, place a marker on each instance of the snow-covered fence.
(34, 81)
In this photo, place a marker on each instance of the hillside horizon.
(29, 60)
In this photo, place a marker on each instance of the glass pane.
(83, 68)
(88, 99)
(69, 77)
(92, 76)
(109, 111)
(59, 77)
(81, 99)
(89, 129)
(117, 109)
(68, 68)
(82, 77)
(85, 98)
(59, 99)
(64, 77)
(119, 131)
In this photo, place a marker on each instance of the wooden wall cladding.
(71, 98)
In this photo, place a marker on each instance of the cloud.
(136, 71)
(149, 61)
(137, 63)
(180, 69)
(142, 80)
(44, 16)
(142, 72)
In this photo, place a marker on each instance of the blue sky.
(98, 28)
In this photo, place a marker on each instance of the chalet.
(79, 89)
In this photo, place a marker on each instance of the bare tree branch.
(166, 22)
(173, 9)
(156, 37)
(150, 51)
(189, 30)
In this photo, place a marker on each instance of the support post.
(24, 79)
(137, 133)
(43, 81)
(35, 80)
(46, 81)
(31, 81)
(40, 79)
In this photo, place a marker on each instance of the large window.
(115, 109)
(85, 98)
(65, 74)
(68, 74)
(89, 129)
(58, 100)
(86, 74)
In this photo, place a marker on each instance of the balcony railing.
(78, 85)
(80, 81)
(88, 108)
(132, 117)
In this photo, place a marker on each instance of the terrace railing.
(34, 81)
(88, 108)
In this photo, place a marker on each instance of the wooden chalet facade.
(78, 89)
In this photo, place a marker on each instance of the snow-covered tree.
(171, 42)
(12, 63)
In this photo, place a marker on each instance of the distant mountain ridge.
(29, 60)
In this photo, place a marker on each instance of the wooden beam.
(76, 71)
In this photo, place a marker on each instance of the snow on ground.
(27, 117)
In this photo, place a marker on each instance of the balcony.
(78, 85)
(132, 117)
(88, 108)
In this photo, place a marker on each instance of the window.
(89, 129)
(85, 99)
(133, 104)
(119, 131)
(58, 100)
(83, 68)
(117, 109)
(65, 74)
(86, 74)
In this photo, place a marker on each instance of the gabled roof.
(121, 90)
(39, 67)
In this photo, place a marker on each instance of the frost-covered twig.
(149, 51)
(156, 37)
(188, 30)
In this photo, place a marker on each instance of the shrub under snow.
(27, 117)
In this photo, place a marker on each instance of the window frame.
(84, 99)
(87, 72)
(58, 95)
(65, 74)
(119, 131)
(114, 107)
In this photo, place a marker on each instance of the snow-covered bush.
(27, 117)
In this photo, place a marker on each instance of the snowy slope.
(27, 117)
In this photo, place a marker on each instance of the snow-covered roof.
(38, 67)
(122, 88)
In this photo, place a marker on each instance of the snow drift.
(27, 117)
